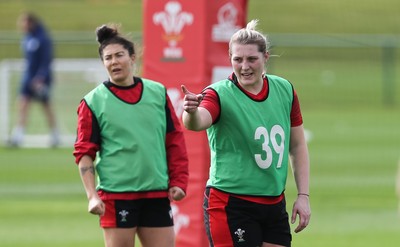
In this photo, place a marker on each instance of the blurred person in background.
(254, 126)
(141, 164)
(37, 78)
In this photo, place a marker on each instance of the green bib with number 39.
(249, 143)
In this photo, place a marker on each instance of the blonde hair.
(249, 35)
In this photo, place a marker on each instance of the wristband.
(303, 194)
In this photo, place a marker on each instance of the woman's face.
(119, 64)
(248, 66)
(24, 24)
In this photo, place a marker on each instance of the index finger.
(185, 90)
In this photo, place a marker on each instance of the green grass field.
(352, 188)
(42, 200)
(355, 145)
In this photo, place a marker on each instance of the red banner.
(186, 42)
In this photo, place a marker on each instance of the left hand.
(176, 193)
(302, 208)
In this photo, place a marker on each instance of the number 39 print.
(276, 134)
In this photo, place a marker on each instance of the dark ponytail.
(104, 32)
(109, 34)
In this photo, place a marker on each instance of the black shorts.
(42, 95)
(151, 212)
(231, 221)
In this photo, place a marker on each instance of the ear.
(266, 56)
(133, 58)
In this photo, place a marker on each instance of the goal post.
(73, 78)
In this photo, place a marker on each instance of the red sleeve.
(295, 115)
(87, 140)
(177, 158)
(211, 103)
